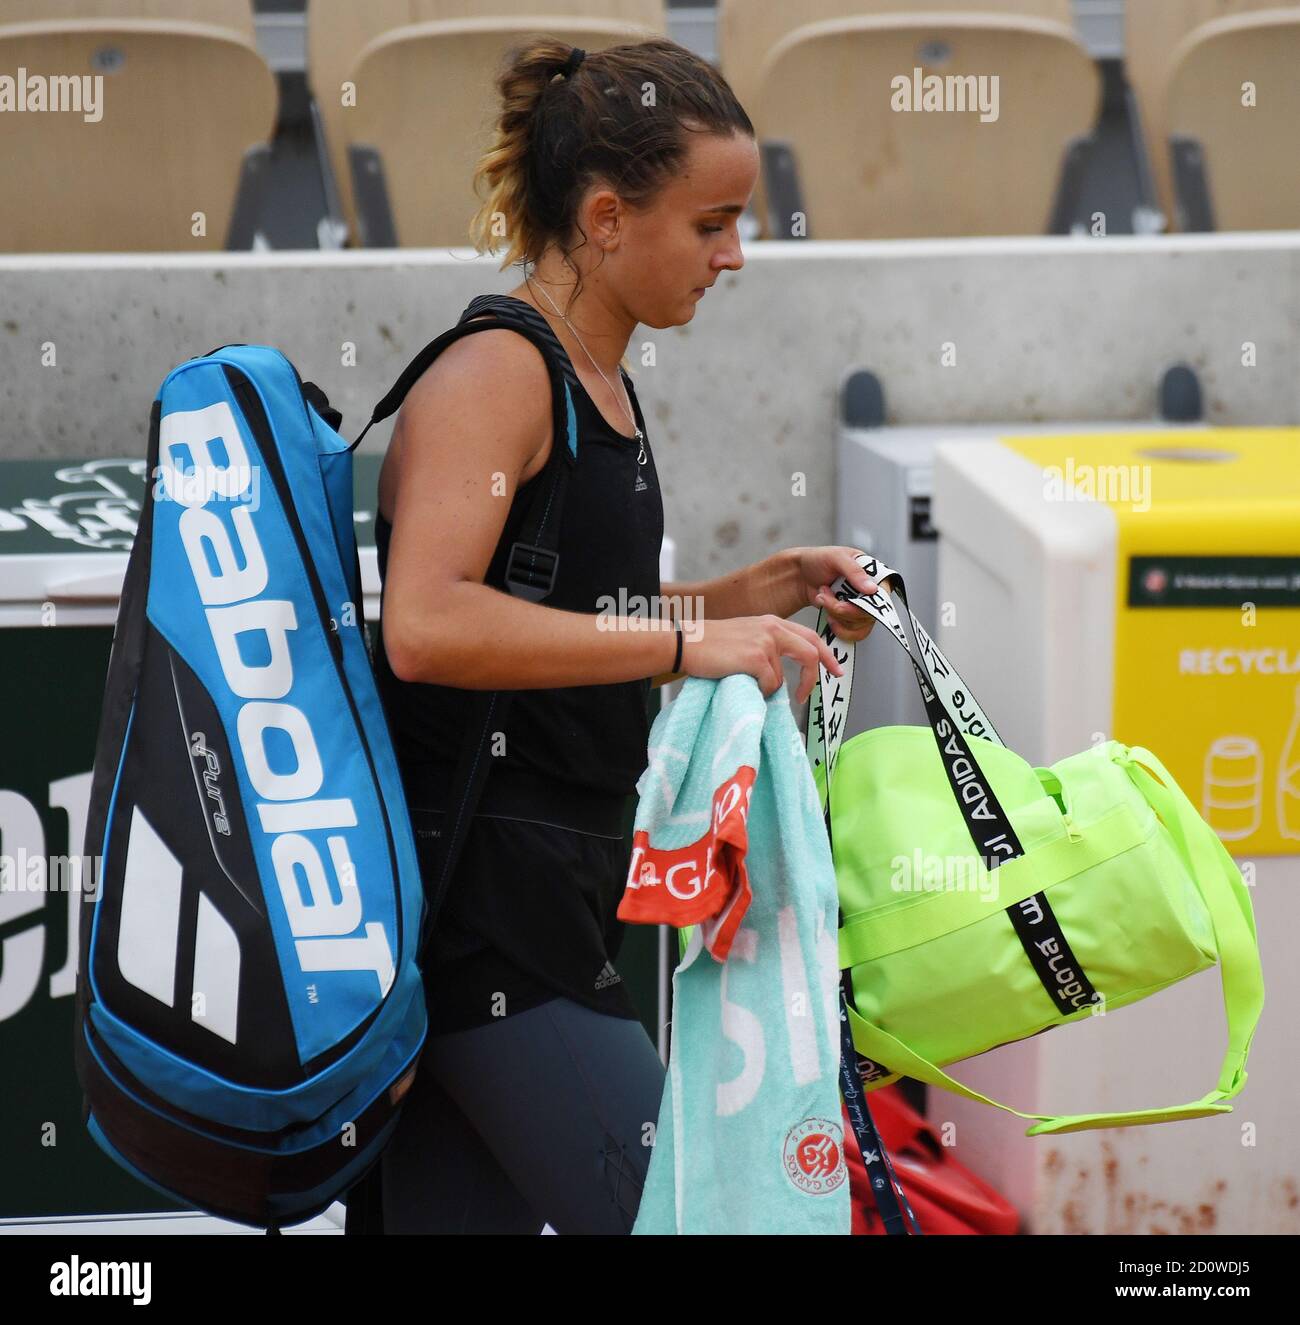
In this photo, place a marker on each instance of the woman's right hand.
(755, 645)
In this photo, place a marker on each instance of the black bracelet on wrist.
(677, 661)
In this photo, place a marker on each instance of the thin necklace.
(640, 436)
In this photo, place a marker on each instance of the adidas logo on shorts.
(608, 976)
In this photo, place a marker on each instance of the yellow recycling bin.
(1207, 611)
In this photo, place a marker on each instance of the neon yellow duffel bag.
(984, 901)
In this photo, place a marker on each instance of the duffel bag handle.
(952, 711)
(1220, 885)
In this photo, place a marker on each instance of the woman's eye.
(710, 229)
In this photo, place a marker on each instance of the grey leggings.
(546, 1116)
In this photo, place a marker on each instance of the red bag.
(945, 1197)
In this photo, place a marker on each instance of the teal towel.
(729, 837)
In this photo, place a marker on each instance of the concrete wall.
(740, 401)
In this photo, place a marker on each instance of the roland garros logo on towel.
(813, 1156)
(686, 885)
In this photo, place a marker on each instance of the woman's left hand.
(817, 569)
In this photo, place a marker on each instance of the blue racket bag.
(249, 1006)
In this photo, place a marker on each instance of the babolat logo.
(229, 567)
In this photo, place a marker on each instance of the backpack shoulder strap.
(534, 557)
(564, 417)
(530, 573)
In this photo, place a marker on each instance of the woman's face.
(658, 261)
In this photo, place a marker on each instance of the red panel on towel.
(705, 882)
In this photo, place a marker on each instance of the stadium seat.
(424, 78)
(1154, 34)
(180, 136)
(885, 173)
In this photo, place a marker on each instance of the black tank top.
(591, 736)
(530, 910)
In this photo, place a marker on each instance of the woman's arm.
(779, 585)
(475, 637)
(768, 586)
(464, 444)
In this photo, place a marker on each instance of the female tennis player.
(616, 181)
